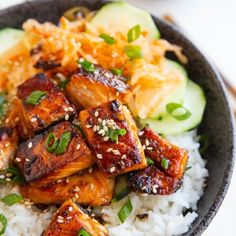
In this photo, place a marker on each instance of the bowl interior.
(217, 121)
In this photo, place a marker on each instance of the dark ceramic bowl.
(218, 119)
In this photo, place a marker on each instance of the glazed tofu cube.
(112, 135)
(8, 145)
(152, 181)
(89, 89)
(71, 220)
(42, 104)
(90, 188)
(169, 158)
(54, 154)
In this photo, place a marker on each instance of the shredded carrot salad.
(150, 80)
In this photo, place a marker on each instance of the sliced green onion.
(178, 111)
(14, 176)
(51, 142)
(125, 211)
(133, 51)
(188, 168)
(117, 71)
(150, 161)
(35, 97)
(165, 163)
(3, 102)
(204, 143)
(83, 232)
(63, 143)
(12, 199)
(125, 192)
(87, 65)
(134, 33)
(3, 221)
(114, 134)
(108, 39)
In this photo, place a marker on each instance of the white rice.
(165, 215)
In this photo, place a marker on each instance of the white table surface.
(211, 26)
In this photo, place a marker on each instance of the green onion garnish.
(87, 65)
(108, 39)
(188, 168)
(178, 111)
(125, 192)
(51, 142)
(3, 102)
(83, 232)
(3, 221)
(134, 33)
(204, 143)
(14, 176)
(12, 199)
(133, 51)
(114, 134)
(63, 143)
(150, 161)
(165, 163)
(125, 211)
(117, 71)
(35, 97)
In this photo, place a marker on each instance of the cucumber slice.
(9, 37)
(178, 95)
(195, 102)
(121, 16)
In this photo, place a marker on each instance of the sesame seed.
(2, 176)
(59, 181)
(60, 221)
(101, 131)
(112, 169)
(99, 156)
(144, 147)
(96, 72)
(17, 119)
(108, 74)
(70, 109)
(18, 159)
(76, 189)
(76, 195)
(147, 142)
(7, 120)
(67, 180)
(88, 126)
(8, 174)
(123, 157)
(69, 217)
(106, 138)
(94, 128)
(96, 113)
(143, 188)
(116, 152)
(141, 133)
(67, 117)
(7, 144)
(27, 159)
(78, 146)
(81, 59)
(70, 209)
(149, 148)
(120, 108)
(90, 170)
(109, 150)
(33, 119)
(60, 217)
(104, 122)
(99, 119)
(154, 188)
(30, 145)
(8, 179)
(117, 94)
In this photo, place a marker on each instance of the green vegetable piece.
(114, 134)
(63, 143)
(125, 211)
(16, 176)
(35, 97)
(165, 163)
(177, 111)
(125, 192)
(87, 65)
(133, 51)
(108, 39)
(3, 221)
(83, 232)
(117, 71)
(134, 33)
(12, 199)
(150, 161)
(51, 142)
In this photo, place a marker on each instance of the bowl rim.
(226, 180)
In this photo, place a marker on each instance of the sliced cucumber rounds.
(120, 16)
(9, 37)
(194, 102)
